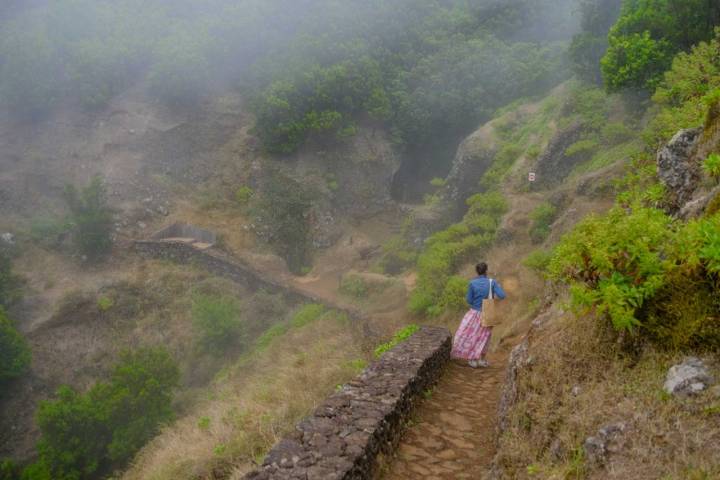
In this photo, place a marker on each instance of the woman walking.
(472, 339)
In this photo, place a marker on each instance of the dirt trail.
(453, 435)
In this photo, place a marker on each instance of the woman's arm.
(498, 290)
(470, 296)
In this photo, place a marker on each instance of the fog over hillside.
(216, 214)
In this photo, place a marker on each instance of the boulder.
(687, 378)
(608, 440)
(7, 239)
(678, 169)
(553, 165)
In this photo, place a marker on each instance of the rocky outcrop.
(687, 378)
(699, 204)
(553, 165)
(344, 436)
(678, 169)
(606, 442)
(519, 358)
(474, 156)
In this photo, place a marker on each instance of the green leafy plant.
(244, 194)
(355, 287)
(204, 423)
(105, 303)
(217, 319)
(538, 260)
(399, 337)
(87, 434)
(307, 314)
(616, 262)
(711, 165)
(542, 218)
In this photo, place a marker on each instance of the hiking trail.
(452, 436)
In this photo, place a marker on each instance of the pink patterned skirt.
(471, 339)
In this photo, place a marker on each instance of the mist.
(200, 187)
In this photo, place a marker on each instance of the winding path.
(453, 435)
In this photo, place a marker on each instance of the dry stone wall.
(223, 265)
(344, 437)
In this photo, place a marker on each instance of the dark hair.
(481, 268)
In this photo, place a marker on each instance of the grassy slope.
(254, 402)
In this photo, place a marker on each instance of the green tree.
(92, 218)
(84, 435)
(284, 207)
(647, 36)
(14, 350)
(589, 46)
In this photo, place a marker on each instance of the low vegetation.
(14, 350)
(447, 250)
(258, 399)
(217, 321)
(649, 274)
(399, 337)
(542, 218)
(87, 434)
(9, 282)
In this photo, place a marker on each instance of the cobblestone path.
(452, 435)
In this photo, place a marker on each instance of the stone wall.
(183, 230)
(223, 265)
(343, 438)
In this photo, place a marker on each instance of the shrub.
(399, 337)
(84, 435)
(9, 470)
(354, 286)
(538, 260)
(684, 314)
(711, 165)
(48, 231)
(244, 194)
(453, 297)
(91, 217)
(616, 262)
(616, 132)
(217, 320)
(307, 314)
(14, 350)
(397, 255)
(582, 148)
(542, 218)
(105, 303)
(9, 282)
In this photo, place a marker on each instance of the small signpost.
(531, 176)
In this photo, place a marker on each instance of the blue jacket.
(479, 289)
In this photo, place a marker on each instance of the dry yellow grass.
(252, 404)
(666, 439)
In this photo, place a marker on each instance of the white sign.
(531, 176)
